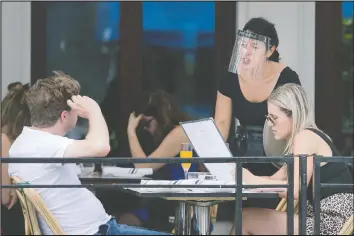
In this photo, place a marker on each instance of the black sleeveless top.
(250, 113)
(332, 172)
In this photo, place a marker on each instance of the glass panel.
(347, 77)
(178, 53)
(82, 41)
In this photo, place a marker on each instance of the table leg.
(193, 219)
(183, 219)
(202, 220)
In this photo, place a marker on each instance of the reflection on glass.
(82, 41)
(178, 52)
(79, 41)
(347, 77)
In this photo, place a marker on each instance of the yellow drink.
(186, 154)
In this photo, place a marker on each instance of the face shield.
(249, 54)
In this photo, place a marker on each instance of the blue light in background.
(107, 21)
(181, 21)
(347, 9)
(168, 16)
(174, 16)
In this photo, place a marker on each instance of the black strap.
(335, 151)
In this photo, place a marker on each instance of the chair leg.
(232, 228)
(347, 227)
(214, 212)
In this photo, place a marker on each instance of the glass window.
(178, 53)
(78, 42)
(82, 41)
(347, 77)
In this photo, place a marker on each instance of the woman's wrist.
(131, 133)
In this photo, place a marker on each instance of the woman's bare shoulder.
(5, 145)
(177, 131)
(5, 138)
(306, 140)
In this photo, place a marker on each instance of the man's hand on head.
(84, 106)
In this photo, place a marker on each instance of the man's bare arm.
(96, 143)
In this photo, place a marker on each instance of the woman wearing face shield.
(253, 73)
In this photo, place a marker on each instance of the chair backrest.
(214, 213)
(347, 228)
(282, 206)
(29, 215)
(32, 203)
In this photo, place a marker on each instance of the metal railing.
(317, 160)
(290, 189)
(239, 194)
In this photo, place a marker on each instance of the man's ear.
(64, 115)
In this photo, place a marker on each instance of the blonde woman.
(290, 118)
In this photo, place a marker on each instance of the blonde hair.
(291, 98)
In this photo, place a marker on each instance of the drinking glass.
(201, 176)
(210, 177)
(186, 152)
(87, 168)
(193, 175)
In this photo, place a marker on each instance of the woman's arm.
(169, 147)
(223, 114)
(279, 175)
(8, 196)
(303, 144)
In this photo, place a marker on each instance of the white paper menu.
(208, 142)
(166, 188)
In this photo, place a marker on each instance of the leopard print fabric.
(335, 211)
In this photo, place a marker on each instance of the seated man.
(55, 104)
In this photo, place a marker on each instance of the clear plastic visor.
(249, 53)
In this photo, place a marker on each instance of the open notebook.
(208, 142)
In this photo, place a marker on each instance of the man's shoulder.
(37, 142)
(16, 146)
(33, 134)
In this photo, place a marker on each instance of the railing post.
(303, 194)
(238, 205)
(290, 197)
(316, 194)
